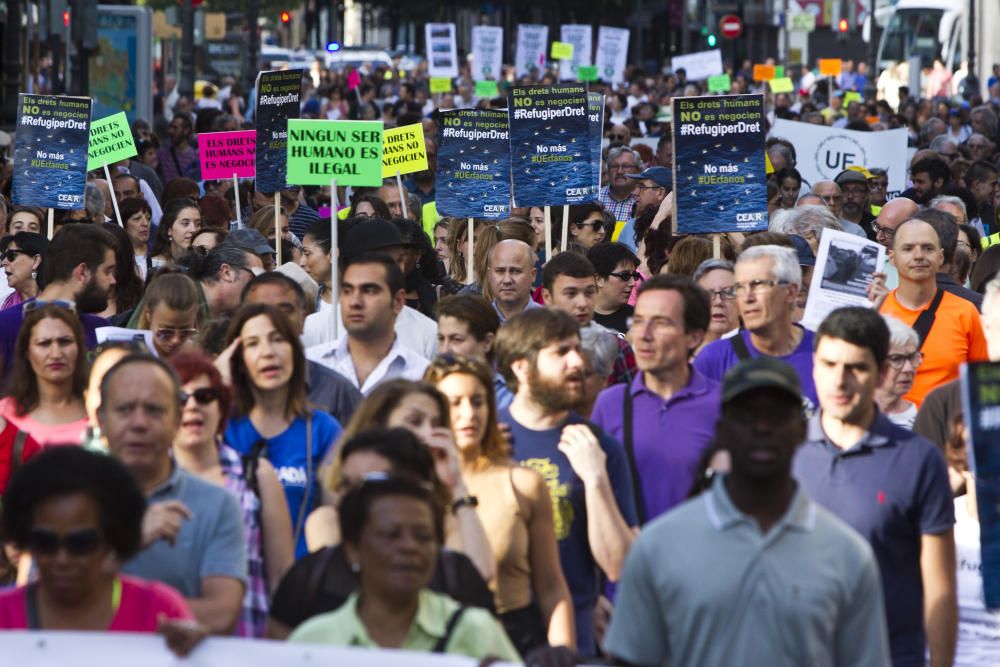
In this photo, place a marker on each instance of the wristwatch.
(467, 501)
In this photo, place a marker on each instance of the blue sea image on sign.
(551, 156)
(50, 165)
(473, 164)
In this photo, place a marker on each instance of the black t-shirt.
(617, 320)
(322, 581)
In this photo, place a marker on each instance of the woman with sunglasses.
(904, 359)
(322, 581)
(586, 224)
(393, 606)
(200, 449)
(514, 506)
(23, 254)
(45, 389)
(421, 409)
(181, 219)
(170, 311)
(272, 418)
(79, 514)
(616, 266)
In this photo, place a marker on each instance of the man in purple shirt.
(768, 280)
(178, 156)
(666, 416)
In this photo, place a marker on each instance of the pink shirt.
(142, 602)
(70, 433)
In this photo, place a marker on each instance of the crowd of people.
(630, 449)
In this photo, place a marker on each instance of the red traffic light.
(286, 17)
(842, 25)
(66, 18)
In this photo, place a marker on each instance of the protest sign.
(719, 84)
(277, 101)
(700, 65)
(349, 151)
(824, 152)
(595, 118)
(440, 84)
(782, 85)
(487, 89)
(719, 180)
(473, 159)
(227, 154)
(442, 51)
(981, 406)
(487, 53)
(549, 151)
(845, 265)
(779, 71)
(562, 51)
(110, 141)
(612, 53)
(763, 72)
(50, 151)
(529, 55)
(403, 150)
(587, 73)
(852, 96)
(141, 337)
(830, 66)
(581, 40)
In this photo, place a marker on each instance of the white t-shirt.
(415, 330)
(978, 628)
(904, 418)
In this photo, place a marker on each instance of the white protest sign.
(823, 152)
(612, 53)
(442, 51)
(582, 39)
(845, 265)
(532, 45)
(123, 335)
(699, 65)
(487, 52)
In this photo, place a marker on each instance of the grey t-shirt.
(209, 544)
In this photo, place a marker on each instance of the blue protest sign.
(277, 100)
(719, 174)
(595, 116)
(549, 145)
(50, 151)
(473, 156)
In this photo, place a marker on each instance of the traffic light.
(711, 40)
(842, 28)
(286, 16)
(333, 47)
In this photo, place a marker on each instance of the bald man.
(511, 273)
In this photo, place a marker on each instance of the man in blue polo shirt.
(887, 483)
(671, 408)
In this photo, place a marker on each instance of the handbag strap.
(627, 429)
(449, 630)
(739, 346)
(926, 318)
(300, 522)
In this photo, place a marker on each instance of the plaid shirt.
(624, 369)
(623, 210)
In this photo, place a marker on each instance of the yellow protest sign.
(562, 51)
(783, 85)
(852, 96)
(830, 66)
(403, 150)
(440, 84)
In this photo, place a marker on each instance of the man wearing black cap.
(255, 243)
(705, 583)
(654, 184)
(856, 200)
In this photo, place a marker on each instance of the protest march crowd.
(582, 424)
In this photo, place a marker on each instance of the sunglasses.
(76, 543)
(625, 276)
(594, 226)
(10, 254)
(202, 396)
(167, 334)
(36, 304)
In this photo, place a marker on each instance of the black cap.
(370, 235)
(759, 373)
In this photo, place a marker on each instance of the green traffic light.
(704, 30)
(711, 40)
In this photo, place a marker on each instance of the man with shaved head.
(511, 274)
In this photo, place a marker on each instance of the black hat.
(371, 235)
(758, 373)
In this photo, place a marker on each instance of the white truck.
(936, 30)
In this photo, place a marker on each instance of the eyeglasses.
(625, 276)
(887, 231)
(649, 187)
(756, 286)
(726, 294)
(202, 396)
(617, 137)
(167, 334)
(622, 167)
(36, 304)
(82, 542)
(897, 361)
(594, 225)
(10, 254)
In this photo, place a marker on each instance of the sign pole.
(114, 200)
(52, 223)
(236, 200)
(548, 233)
(469, 256)
(334, 277)
(277, 229)
(402, 194)
(716, 246)
(565, 228)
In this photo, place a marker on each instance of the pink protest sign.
(224, 154)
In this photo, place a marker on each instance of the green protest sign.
(587, 73)
(110, 141)
(719, 84)
(440, 84)
(852, 96)
(779, 72)
(347, 150)
(783, 85)
(487, 89)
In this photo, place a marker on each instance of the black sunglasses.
(202, 396)
(594, 225)
(76, 543)
(10, 254)
(624, 276)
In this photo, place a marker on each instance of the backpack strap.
(739, 346)
(627, 430)
(251, 461)
(449, 630)
(18, 452)
(926, 318)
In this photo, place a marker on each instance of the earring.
(355, 567)
(34, 275)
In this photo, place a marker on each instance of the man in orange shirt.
(951, 336)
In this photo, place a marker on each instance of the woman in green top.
(391, 527)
